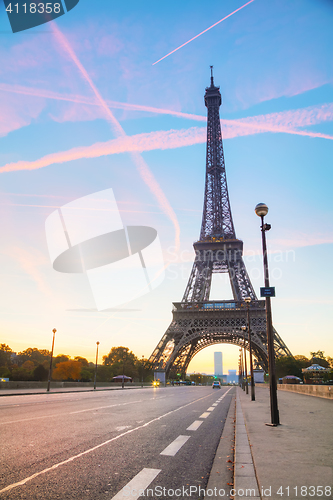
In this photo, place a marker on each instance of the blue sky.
(273, 62)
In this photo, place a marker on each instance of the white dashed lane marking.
(90, 450)
(211, 408)
(175, 446)
(140, 482)
(196, 424)
(205, 414)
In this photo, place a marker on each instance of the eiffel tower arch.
(197, 321)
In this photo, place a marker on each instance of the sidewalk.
(294, 459)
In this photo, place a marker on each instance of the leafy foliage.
(37, 356)
(67, 370)
(40, 373)
(122, 359)
(5, 355)
(289, 365)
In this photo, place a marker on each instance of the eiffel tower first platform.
(198, 322)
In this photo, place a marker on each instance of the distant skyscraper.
(218, 364)
(232, 376)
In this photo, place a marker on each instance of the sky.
(84, 109)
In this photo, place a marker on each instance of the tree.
(83, 361)
(35, 355)
(67, 370)
(86, 374)
(40, 373)
(28, 366)
(61, 358)
(319, 359)
(121, 358)
(329, 361)
(5, 372)
(318, 354)
(19, 373)
(104, 373)
(5, 355)
(288, 365)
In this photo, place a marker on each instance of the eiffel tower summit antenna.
(211, 77)
(197, 321)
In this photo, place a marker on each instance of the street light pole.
(261, 210)
(123, 380)
(50, 370)
(239, 371)
(242, 368)
(246, 382)
(142, 370)
(248, 301)
(95, 379)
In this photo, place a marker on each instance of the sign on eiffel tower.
(197, 321)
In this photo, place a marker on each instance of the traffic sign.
(267, 291)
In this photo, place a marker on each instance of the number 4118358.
(34, 7)
(305, 491)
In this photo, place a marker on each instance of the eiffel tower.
(197, 321)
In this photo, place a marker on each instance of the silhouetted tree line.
(32, 364)
(293, 365)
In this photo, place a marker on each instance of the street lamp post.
(50, 370)
(239, 371)
(123, 380)
(142, 370)
(248, 301)
(245, 364)
(261, 210)
(242, 368)
(95, 379)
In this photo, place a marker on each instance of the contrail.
(141, 165)
(79, 99)
(159, 140)
(210, 27)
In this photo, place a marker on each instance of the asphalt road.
(111, 444)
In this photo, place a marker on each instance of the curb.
(221, 474)
(71, 391)
(245, 479)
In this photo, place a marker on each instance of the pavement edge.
(221, 474)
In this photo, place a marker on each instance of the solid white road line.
(224, 395)
(102, 407)
(211, 408)
(205, 415)
(196, 424)
(137, 485)
(55, 466)
(175, 446)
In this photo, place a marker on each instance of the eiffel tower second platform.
(197, 321)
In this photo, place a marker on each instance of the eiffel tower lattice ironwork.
(197, 321)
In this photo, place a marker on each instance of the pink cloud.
(30, 261)
(154, 140)
(16, 113)
(79, 99)
(141, 165)
(278, 122)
